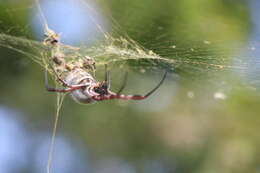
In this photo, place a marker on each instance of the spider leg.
(130, 97)
(158, 85)
(123, 85)
(107, 77)
(140, 97)
(52, 89)
(60, 90)
(120, 96)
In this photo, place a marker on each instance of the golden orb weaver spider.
(85, 89)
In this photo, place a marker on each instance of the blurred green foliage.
(183, 125)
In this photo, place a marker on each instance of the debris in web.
(116, 48)
(119, 49)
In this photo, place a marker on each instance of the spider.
(85, 89)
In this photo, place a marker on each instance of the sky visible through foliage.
(204, 118)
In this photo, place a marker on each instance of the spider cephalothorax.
(102, 88)
(85, 89)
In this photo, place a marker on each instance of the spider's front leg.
(112, 95)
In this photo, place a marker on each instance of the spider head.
(102, 88)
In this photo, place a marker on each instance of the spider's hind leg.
(124, 84)
(52, 89)
(107, 77)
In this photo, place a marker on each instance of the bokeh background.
(202, 120)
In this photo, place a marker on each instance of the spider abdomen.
(81, 97)
(81, 77)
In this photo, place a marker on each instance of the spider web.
(190, 58)
(200, 59)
